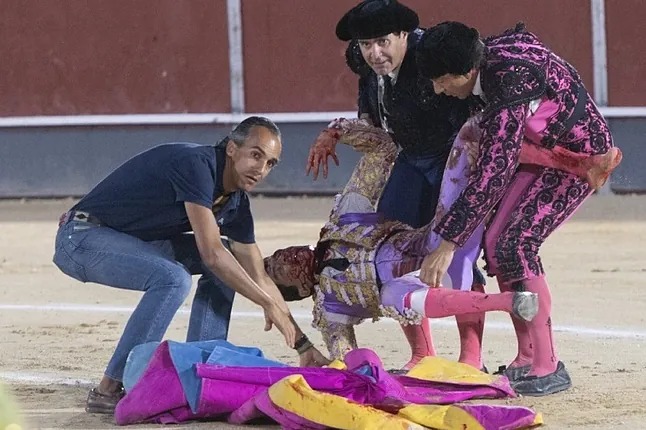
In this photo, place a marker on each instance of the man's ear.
(231, 148)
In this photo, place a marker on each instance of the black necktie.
(388, 93)
(384, 98)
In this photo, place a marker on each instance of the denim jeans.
(161, 269)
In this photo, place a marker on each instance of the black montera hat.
(376, 18)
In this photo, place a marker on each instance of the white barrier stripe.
(306, 316)
(170, 118)
(236, 57)
(52, 411)
(599, 51)
(138, 427)
(225, 118)
(174, 427)
(35, 378)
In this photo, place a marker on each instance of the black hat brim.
(369, 20)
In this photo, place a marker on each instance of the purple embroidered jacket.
(520, 71)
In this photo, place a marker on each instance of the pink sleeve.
(502, 134)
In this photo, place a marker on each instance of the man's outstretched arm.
(251, 260)
(224, 265)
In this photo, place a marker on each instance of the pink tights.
(470, 327)
(420, 341)
(535, 339)
(467, 306)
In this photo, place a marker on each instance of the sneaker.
(98, 403)
(543, 385)
(513, 373)
(525, 305)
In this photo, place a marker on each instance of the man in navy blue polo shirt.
(156, 220)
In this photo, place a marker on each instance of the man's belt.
(78, 216)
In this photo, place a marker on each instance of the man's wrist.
(266, 301)
(302, 344)
(334, 133)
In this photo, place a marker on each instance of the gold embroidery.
(409, 317)
(371, 173)
(358, 243)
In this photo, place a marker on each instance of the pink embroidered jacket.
(518, 74)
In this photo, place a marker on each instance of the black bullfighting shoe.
(537, 386)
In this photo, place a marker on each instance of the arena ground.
(57, 334)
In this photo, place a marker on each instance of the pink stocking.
(444, 302)
(540, 329)
(525, 347)
(471, 327)
(420, 341)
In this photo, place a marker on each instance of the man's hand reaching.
(274, 315)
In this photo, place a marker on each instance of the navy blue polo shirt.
(145, 196)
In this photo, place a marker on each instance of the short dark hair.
(241, 132)
(449, 48)
(354, 59)
(290, 294)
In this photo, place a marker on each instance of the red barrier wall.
(293, 61)
(626, 45)
(64, 57)
(113, 56)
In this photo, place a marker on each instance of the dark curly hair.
(449, 48)
(354, 59)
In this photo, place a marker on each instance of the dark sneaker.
(98, 403)
(525, 305)
(543, 385)
(513, 373)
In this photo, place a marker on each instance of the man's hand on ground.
(313, 358)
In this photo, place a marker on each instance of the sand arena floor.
(57, 334)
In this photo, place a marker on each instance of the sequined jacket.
(352, 235)
(520, 69)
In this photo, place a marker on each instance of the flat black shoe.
(537, 386)
(98, 403)
(513, 373)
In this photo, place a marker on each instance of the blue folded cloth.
(186, 355)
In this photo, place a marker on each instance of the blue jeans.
(161, 269)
